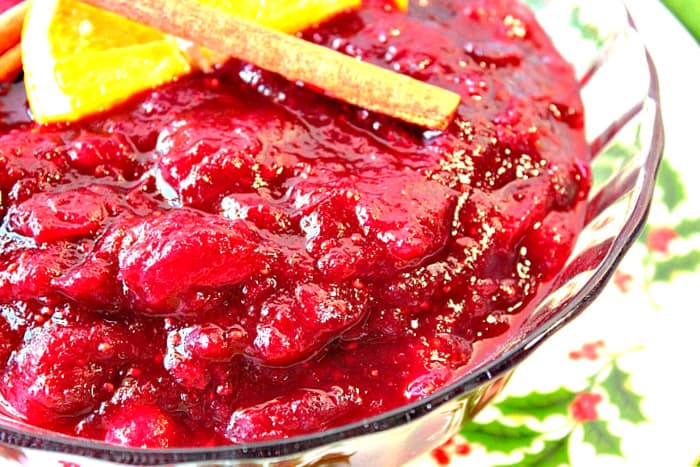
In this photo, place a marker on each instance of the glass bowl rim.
(397, 417)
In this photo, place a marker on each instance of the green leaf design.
(538, 405)
(597, 434)
(628, 402)
(688, 227)
(555, 453)
(588, 31)
(617, 150)
(602, 172)
(608, 163)
(537, 4)
(644, 235)
(665, 269)
(497, 437)
(672, 186)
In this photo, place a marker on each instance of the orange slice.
(79, 60)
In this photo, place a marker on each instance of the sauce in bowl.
(233, 258)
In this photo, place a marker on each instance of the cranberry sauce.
(234, 258)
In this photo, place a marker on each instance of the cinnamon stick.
(338, 75)
(11, 21)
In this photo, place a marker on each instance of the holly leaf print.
(611, 160)
(671, 183)
(602, 171)
(619, 151)
(597, 434)
(537, 4)
(537, 404)
(688, 227)
(628, 402)
(588, 31)
(497, 437)
(555, 453)
(664, 270)
(644, 235)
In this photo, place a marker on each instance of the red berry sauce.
(234, 258)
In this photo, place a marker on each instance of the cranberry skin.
(27, 274)
(414, 292)
(449, 350)
(8, 339)
(548, 246)
(104, 155)
(143, 426)
(326, 213)
(182, 250)
(374, 227)
(93, 281)
(205, 157)
(427, 383)
(300, 412)
(335, 239)
(436, 361)
(66, 215)
(202, 161)
(191, 352)
(499, 220)
(31, 155)
(258, 210)
(60, 371)
(496, 54)
(293, 327)
(407, 213)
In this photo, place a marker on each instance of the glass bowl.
(625, 133)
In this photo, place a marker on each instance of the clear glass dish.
(625, 132)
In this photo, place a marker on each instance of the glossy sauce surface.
(234, 258)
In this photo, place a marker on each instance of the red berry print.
(12, 454)
(622, 281)
(441, 456)
(583, 408)
(659, 239)
(452, 447)
(589, 351)
(463, 449)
